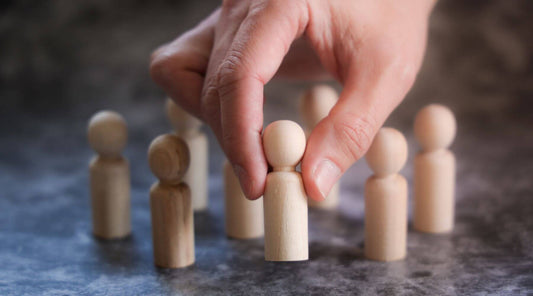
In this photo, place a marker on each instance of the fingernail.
(246, 185)
(326, 173)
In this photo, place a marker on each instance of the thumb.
(346, 133)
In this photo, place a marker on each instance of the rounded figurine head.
(388, 152)
(435, 127)
(316, 103)
(181, 121)
(107, 133)
(284, 144)
(168, 157)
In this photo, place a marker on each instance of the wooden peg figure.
(285, 201)
(244, 217)
(386, 198)
(315, 105)
(109, 176)
(434, 170)
(188, 128)
(170, 203)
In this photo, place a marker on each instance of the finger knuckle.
(209, 102)
(164, 66)
(229, 73)
(355, 136)
(158, 67)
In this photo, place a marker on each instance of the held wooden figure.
(170, 203)
(315, 105)
(244, 217)
(109, 175)
(386, 198)
(434, 177)
(188, 128)
(285, 201)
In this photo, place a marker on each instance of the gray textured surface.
(62, 60)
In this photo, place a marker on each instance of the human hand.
(217, 71)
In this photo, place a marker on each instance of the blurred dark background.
(62, 60)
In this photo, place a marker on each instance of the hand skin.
(217, 72)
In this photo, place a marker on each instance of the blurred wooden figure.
(386, 197)
(170, 203)
(188, 128)
(285, 201)
(434, 170)
(315, 104)
(109, 176)
(244, 217)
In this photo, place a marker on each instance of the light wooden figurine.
(315, 105)
(285, 201)
(109, 176)
(188, 128)
(170, 203)
(244, 217)
(386, 198)
(434, 170)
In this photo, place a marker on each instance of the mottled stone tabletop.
(60, 61)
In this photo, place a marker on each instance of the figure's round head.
(168, 157)
(316, 103)
(388, 152)
(180, 120)
(107, 133)
(435, 127)
(284, 143)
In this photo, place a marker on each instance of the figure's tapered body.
(285, 206)
(172, 225)
(110, 197)
(197, 175)
(244, 217)
(434, 191)
(386, 218)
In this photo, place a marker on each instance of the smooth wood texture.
(387, 153)
(172, 225)
(435, 127)
(284, 144)
(110, 197)
(285, 206)
(386, 197)
(182, 122)
(285, 200)
(386, 218)
(197, 177)
(109, 175)
(244, 217)
(434, 170)
(315, 104)
(170, 203)
(169, 158)
(107, 133)
(434, 191)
